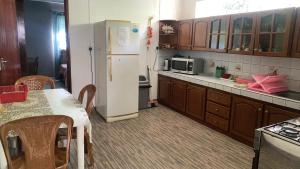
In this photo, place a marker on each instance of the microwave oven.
(190, 66)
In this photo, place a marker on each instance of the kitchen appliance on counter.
(278, 146)
(117, 73)
(190, 66)
(167, 64)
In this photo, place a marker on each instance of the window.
(221, 7)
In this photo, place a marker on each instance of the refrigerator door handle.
(110, 67)
(109, 41)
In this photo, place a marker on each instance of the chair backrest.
(36, 82)
(37, 135)
(91, 91)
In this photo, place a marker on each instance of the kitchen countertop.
(286, 99)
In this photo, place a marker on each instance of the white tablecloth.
(58, 102)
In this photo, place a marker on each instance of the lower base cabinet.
(246, 116)
(196, 98)
(164, 90)
(236, 116)
(217, 121)
(178, 95)
(274, 115)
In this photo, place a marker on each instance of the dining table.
(48, 102)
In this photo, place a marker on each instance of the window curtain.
(59, 39)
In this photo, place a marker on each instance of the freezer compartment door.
(122, 85)
(123, 38)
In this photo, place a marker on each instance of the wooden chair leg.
(89, 149)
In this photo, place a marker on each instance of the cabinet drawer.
(219, 97)
(217, 109)
(217, 121)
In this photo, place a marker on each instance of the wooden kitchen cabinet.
(296, 41)
(246, 116)
(273, 32)
(218, 33)
(274, 115)
(168, 39)
(164, 90)
(242, 33)
(200, 34)
(185, 33)
(196, 98)
(178, 95)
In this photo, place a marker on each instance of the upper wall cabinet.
(242, 33)
(218, 33)
(296, 42)
(185, 32)
(273, 32)
(200, 32)
(168, 34)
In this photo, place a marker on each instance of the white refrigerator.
(116, 69)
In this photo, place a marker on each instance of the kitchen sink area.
(289, 95)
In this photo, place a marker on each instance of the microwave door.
(179, 66)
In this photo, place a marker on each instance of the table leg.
(3, 162)
(80, 146)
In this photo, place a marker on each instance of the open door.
(10, 66)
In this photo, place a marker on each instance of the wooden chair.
(38, 136)
(90, 91)
(36, 82)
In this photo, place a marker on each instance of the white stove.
(278, 146)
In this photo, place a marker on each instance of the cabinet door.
(164, 89)
(185, 30)
(275, 115)
(218, 33)
(200, 32)
(273, 32)
(242, 34)
(296, 41)
(178, 95)
(246, 116)
(196, 101)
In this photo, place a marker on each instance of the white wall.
(187, 9)
(138, 11)
(81, 34)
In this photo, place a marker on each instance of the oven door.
(180, 66)
(278, 153)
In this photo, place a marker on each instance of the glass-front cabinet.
(273, 32)
(242, 34)
(296, 42)
(218, 33)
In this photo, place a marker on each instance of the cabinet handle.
(266, 111)
(217, 109)
(255, 49)
(259, 109)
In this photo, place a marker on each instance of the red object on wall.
(10, 94)
(149, 36)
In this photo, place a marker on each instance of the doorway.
(41, 46)
(45, 40)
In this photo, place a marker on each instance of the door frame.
(68, 53)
